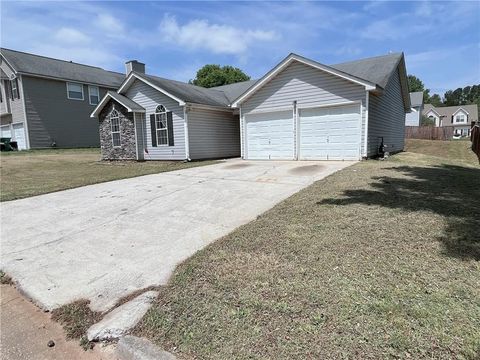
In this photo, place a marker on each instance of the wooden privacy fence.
(429, 132)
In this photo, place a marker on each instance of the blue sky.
(441, 40)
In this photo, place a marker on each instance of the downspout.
(185, 124)
(296, 131)
(242, 137)
(365, 152)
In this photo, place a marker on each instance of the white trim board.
(104, 101)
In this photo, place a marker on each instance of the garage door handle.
(328, 139)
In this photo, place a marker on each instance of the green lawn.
(380, 260)
(29, 173)
(457, 150)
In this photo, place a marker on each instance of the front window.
(161, 125)
(14, 87)
(75, 91)
(460, 118)
(115, 124)
(94, 95)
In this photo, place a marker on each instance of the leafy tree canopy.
(212, 75)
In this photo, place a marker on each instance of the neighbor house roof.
(416, 98)
(42, 66)
(129, 104)
(448, 111)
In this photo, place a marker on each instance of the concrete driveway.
(104, 241)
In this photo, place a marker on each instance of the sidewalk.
(25, 331)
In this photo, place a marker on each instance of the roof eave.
(294, 57)
(104, 101)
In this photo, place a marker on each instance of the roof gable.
(449, 111)
(129, 104)
(290, 59)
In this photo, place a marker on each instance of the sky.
(441, 40)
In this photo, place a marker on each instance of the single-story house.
(459, 117)
(413, 118)
(47, 102)
(301, 109)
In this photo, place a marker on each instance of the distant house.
(460, 117)
(414, 116)
(299, 110)
(46, 102)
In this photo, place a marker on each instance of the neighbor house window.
(161, 125)
(93, 95)
(14, 88)
(115, 124)
(460, 118)
(75, 91)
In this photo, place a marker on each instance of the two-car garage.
(319, 133)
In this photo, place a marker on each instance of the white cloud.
(71, 36)
(109, 23)
(220, 39)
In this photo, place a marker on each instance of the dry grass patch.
(76, 318)
(35, 172)
(457, 150)
(380, 260)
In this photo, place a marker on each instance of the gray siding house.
(413, 117)
(300, 110)
(46, 102)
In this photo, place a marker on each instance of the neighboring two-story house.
(414, 116)
(460, 117)
(47, 102)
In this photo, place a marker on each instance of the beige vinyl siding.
(386, 117)
(213, 134)
(310, 87)
(149, 98)
(52, 117)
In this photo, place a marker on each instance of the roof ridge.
(66, 61)
(368, 58)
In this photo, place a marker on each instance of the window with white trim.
(93, 95)
(161, 125)
(74, 91)
(460, 118)
(115, 127)
(14, 88)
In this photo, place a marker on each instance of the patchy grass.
(457, 150)
(5, 279)
(76, 318)
(380, 260)
(35, 172)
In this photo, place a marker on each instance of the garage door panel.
(330, 133)
(270, 135)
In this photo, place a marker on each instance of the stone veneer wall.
(127, 151)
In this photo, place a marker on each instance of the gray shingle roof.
(416, 98)
(44, 66)
(375, 69)
(233, 91)
(188, 92)
(125, 101)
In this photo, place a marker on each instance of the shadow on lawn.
(447, 190)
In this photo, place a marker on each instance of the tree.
(425, 121)
(435, 100)
(416, 85)
(215, 75)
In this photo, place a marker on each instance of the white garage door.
(19, 136)
(330, 133)
(270, 136)
(5, 131)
